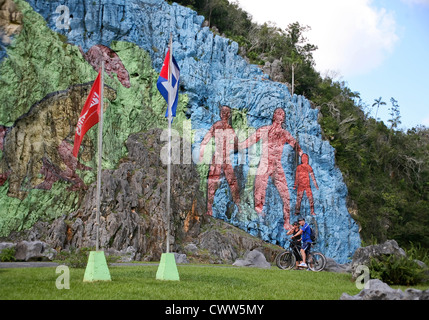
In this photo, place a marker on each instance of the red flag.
(89, 115)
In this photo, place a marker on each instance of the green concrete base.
(167, 269)
(96, 269)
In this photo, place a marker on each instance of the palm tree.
(378, 103)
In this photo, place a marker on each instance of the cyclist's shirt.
(306, 233)
(296, 241)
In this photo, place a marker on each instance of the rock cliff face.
(133, 203)
(133, 220)
(267, 172)
(37, 150)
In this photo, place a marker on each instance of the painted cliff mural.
(258, 150)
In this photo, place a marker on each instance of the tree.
(298, 42)
(297, 52)
(395, 114)
(378, 103)
(293, 60)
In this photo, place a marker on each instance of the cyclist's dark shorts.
(306, 246)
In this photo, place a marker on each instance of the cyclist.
(297, 241)
(305, 239)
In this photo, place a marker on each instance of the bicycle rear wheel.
(286, 260)
(316, 261)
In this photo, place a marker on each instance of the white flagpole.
(169, 105)
(100, 151)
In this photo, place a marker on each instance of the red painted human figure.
(225, 142)
(302, 180)
(273, 139)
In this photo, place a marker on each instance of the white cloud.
(353, 36)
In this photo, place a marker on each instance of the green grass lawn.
(197, 282)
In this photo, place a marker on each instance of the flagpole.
(96, 268)
(169, 105)
(100, 151)
(167, 269)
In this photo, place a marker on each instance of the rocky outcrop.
(333, 266)
(377, 290)
(363, 255)
(274, 70)
(30, 250)
(134, 221)
(33, 251)
(50, 126)
(133, 204)
(254, 259)
(134, 214)
(220, 242)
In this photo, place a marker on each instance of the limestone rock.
(48, 158)
(253, 258)
(133, 203)
(126, 255)
(191, 247)
(6, 245)
(333, 266)
(377, 290)
(33, 251)
(181, 258)
(363, 255)
(223, 243)
(274, 70)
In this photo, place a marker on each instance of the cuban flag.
(164, 86)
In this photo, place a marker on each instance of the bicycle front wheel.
(286, 260)
(316, 261)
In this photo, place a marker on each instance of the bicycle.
(286, 260)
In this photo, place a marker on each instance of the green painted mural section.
(39, 62)
(17, 215)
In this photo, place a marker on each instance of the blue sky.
(380, 48)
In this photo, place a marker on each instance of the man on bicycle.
(305, 239)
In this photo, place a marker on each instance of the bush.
(7, 255)
(78, 258)
(417, 252)
(395, 270)
(74, 258)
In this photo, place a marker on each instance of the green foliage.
(74, 258)
(417, 252)
(78, 257)
(7, 255)
(395, 270)
(394, 114)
